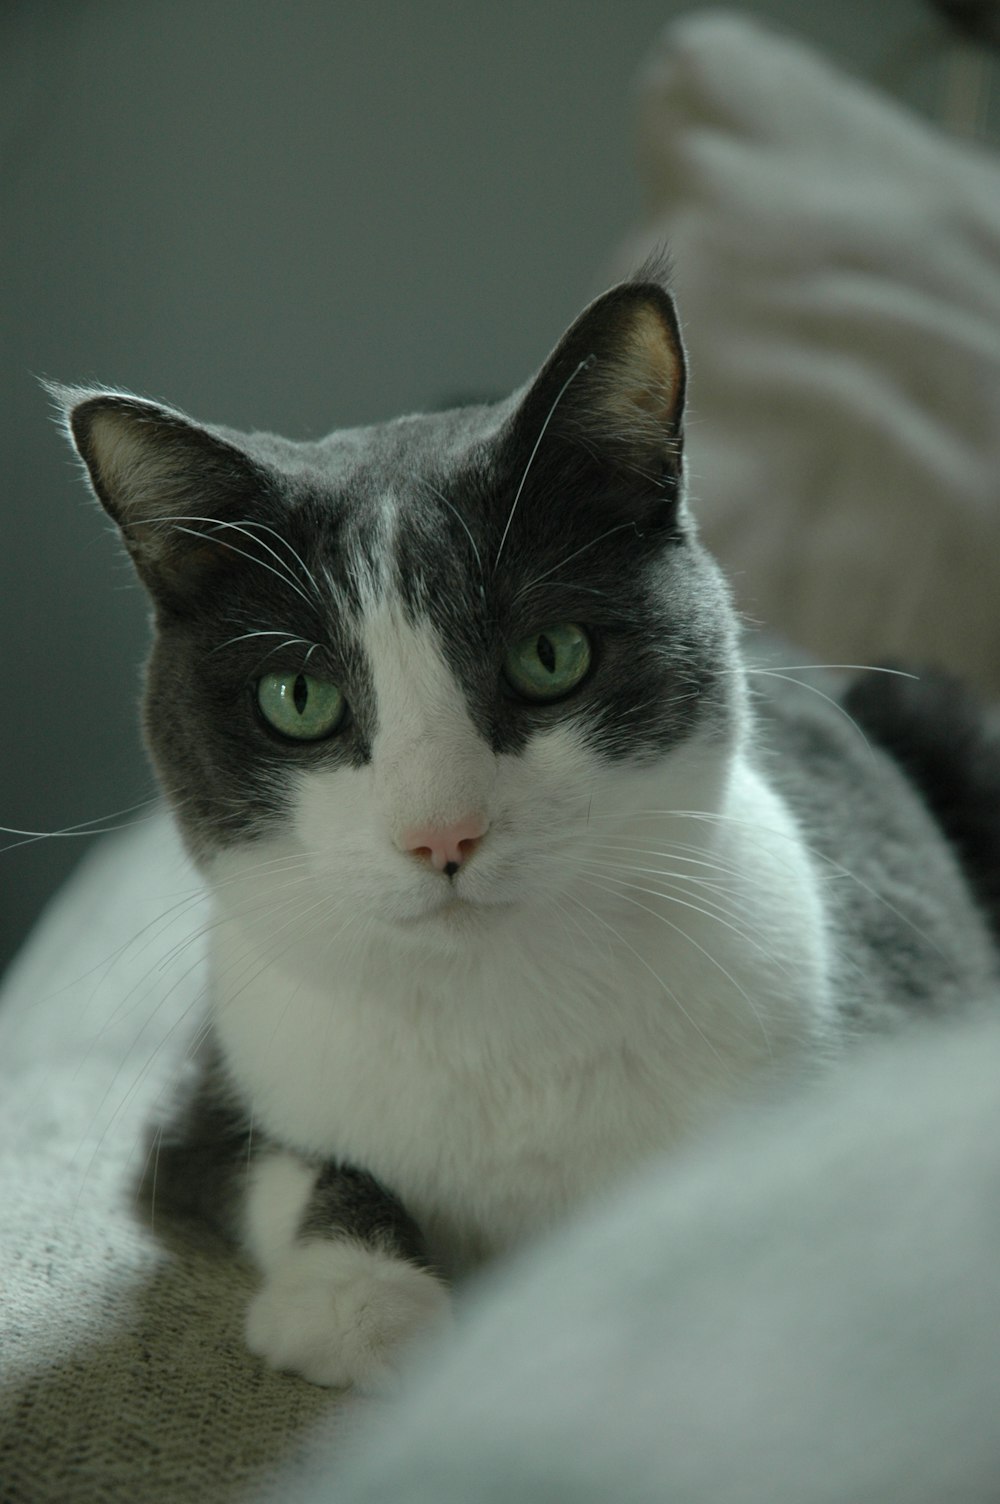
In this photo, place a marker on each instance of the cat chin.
(454, 922)
(456, 906)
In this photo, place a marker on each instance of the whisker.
(581, 929)
(866, 668)
(288, 640)
(279, 574)
(248, 1161)
(458, 516)
(263, 527)
(584, 365)
(676, 852)
(134, 997)
(707, 907)
(217, 524)
(138, 1081)
(668, 990)
(574, 585)
(83, 828)
(569, 558)
(771, 673)
(666, 874)
(707, 954)
(199, 1000)
(795, 840)
(280, 537)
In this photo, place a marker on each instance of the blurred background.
(295, 217)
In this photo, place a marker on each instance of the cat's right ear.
(176, 491)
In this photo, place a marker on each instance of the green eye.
(300, 706)
(548, 664)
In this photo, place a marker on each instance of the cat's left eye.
(549, 663)
(299, 706)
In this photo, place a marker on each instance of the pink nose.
(446, 848)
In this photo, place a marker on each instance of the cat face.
(420, 658)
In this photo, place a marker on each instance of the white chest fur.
(495, 1084)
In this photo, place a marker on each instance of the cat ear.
(614, 387)
(175, 490)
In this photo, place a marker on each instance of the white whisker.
(700, 948)
(457, 514)
(569, 558)
(584, 365)
(771, 673)
(279, 574)
(217, 524)
(794, 840)
(289, 641)
(709, 908)
(668, 990)
(861, 668)
(83, 828)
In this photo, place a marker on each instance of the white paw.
(338, 1314)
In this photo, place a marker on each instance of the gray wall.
(286, 215)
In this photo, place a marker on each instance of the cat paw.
(339, 1314)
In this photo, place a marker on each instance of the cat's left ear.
(614, 387)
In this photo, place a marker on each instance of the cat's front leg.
(346, 1283)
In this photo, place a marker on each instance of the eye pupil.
(301, 707)
(546, 666)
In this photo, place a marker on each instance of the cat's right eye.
(300, 707)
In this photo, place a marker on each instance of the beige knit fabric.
(123, 1374)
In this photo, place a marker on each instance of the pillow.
(800, 1309)
(837, 262)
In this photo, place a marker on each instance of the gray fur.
(911, 938)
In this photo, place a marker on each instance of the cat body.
(494, 1084)
(515, 883)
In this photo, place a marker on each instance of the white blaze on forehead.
(431, 766)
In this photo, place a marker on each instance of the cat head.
(426, 654)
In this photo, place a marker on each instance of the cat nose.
(446, 847)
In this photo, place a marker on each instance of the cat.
(516, 883)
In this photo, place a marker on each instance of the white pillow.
(837, 262)
(800, 1309)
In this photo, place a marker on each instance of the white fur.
(339, 1314)
(430, 765)
(497, 1059)
(276, 1199)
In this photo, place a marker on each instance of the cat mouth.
(455, 907)
(456, 910)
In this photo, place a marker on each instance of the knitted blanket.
(123, 1374)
